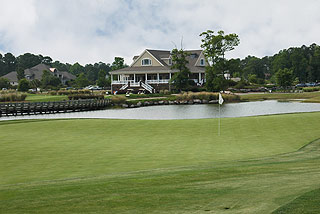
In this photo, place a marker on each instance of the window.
(146, 61)
(202, 62)
(170, 61)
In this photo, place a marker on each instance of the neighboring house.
(36, 73)
(151, 71)
(12, 77)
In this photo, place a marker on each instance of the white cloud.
(89, 31)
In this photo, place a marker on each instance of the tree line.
(286, 68)
(88, 74)
(290, 66)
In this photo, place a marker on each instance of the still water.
(166, 112)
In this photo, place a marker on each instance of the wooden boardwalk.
(28, 108)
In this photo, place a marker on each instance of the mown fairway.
(180, 166)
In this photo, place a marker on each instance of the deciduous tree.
(284, 77)
(23, 85)
(215, 46)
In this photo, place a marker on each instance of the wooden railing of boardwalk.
(28, 108)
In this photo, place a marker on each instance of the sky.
(89, 31)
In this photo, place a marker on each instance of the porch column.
(199, 77)
(146, 78)
(170, 76)
(158, 77)
(134, 77)
(118, 77)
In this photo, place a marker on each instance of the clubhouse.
(151, 71)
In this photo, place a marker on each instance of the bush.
(53, 93)
(23, 85)
(311, 89)
(12, 97)
(68, 92)
(206, 96)
(118, 99)
(199, 95)
(85, 96)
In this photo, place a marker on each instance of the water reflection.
(187, 111)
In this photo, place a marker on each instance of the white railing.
(124, 87)
(158, 81)
(147, 87)
(135, 84)
(119, 82)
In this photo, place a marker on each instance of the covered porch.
(134, 79)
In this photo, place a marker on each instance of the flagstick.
(219, 122)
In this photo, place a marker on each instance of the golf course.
(261, 164)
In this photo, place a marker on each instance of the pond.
(165, 112)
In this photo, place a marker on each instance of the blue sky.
(89, 31)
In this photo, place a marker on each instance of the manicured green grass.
(312, 96)
(45, 98)
(307, 203)
(177, 166)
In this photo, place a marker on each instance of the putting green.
(139, 166)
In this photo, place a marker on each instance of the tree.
(118, 63)
(28, 60)
(48, 80)
(102, 81)
(76, 69)
(215, 47)
(82, 81)
(4, 83)
(23, 85)
(46, 60)
(179, 62)
(35, 83)
(91, 72)
(20, 73)
(284, 77)
(10, 62)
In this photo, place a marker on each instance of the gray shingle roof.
(12, 76)
(36, 73)
(159, 55)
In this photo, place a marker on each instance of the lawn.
(306, 96)
(45, 98)
(176, 166)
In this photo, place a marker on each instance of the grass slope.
(45, 98)
(307, 203)
(307, 96)
(179, 166)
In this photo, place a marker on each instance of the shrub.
(198, 95)
(118, 99)
(53, 93)
(68, 92)
(311, 89)
(23, 85)
(12, 97)
(206, 96)
(85, 96)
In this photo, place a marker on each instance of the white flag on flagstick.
(220, 99)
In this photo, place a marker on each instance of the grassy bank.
(45, 98)
(307, 203)
(178, 166)
(307, 96)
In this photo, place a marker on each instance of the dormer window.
(170, 61)
(146, 61)
(202, 62)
